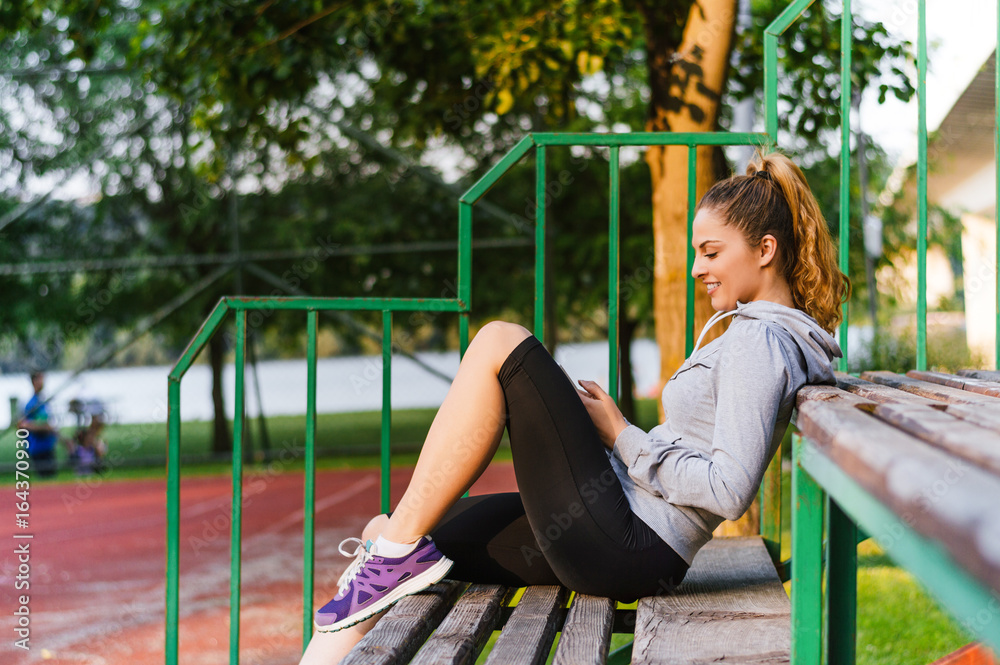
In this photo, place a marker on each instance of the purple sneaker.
(373, 583)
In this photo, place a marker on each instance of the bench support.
(841, 585)
(807, 563)
(813, 473)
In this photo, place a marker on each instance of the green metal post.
(173, 515)
(787, 16)
(463, 333)
(236, 527)
(842, 586)
(771, 85)
(464, 273)
(465, 254)
(689, 280)
(807, 564)
(922, 186)
(386, 404)
(540, 205)
(846, 23)
(614, 272)
(309, 521)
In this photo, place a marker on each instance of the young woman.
(603, 507)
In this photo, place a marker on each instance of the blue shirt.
(36, 412)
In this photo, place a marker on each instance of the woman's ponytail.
(818, 287)
(774, 198)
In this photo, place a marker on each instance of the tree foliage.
(170, 107)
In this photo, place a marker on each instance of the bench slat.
(464, 632)
(960, 382)
(981, 374)
(731, 608)
(881, 393)
(974, 443)
(976, 414)
(586, 634)
(528, 635)
(939, 495)
(931, 390)
(398, 634)
(830, 394)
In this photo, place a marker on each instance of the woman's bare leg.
(330, 648)
(463, 437)
(460, 444)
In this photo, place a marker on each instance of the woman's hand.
(603, 411)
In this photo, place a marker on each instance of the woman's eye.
(711, 256)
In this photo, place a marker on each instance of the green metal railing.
(829, 503)
(462, 306)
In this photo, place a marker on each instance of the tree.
(255, 78)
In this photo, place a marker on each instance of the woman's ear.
(767, 250)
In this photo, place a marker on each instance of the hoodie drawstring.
(718, 316)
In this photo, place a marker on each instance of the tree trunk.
(222, 443)
(686, 85)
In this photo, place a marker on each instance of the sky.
(960, 36)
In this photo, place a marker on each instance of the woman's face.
(723, 261)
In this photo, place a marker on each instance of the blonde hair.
(773, 198)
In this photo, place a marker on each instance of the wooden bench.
(913, 461)
(731, 608)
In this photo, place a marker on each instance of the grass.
(898, 624)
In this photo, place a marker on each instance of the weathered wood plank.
(586, 634)
(529, 632)
(469, 624)
(982, 374)
(931, 390)
(939, 495)
(880, 393)
(971, 384)
(974, 413)
(830, 394)
(971, 442)
(398, 634)
(730, 608)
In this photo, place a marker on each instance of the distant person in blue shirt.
(42, 437)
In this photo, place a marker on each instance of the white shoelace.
(362, 555)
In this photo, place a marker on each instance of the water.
(344, 384)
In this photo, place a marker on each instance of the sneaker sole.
(411, 586)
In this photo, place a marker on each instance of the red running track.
(98, 555)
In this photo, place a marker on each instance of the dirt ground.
(97, 564)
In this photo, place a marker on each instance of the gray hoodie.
(726, 408)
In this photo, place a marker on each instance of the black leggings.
(571, 523)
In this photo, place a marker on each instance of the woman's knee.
(502, 336)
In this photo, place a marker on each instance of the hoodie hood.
(818, 347)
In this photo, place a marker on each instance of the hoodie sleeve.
(751, 378)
